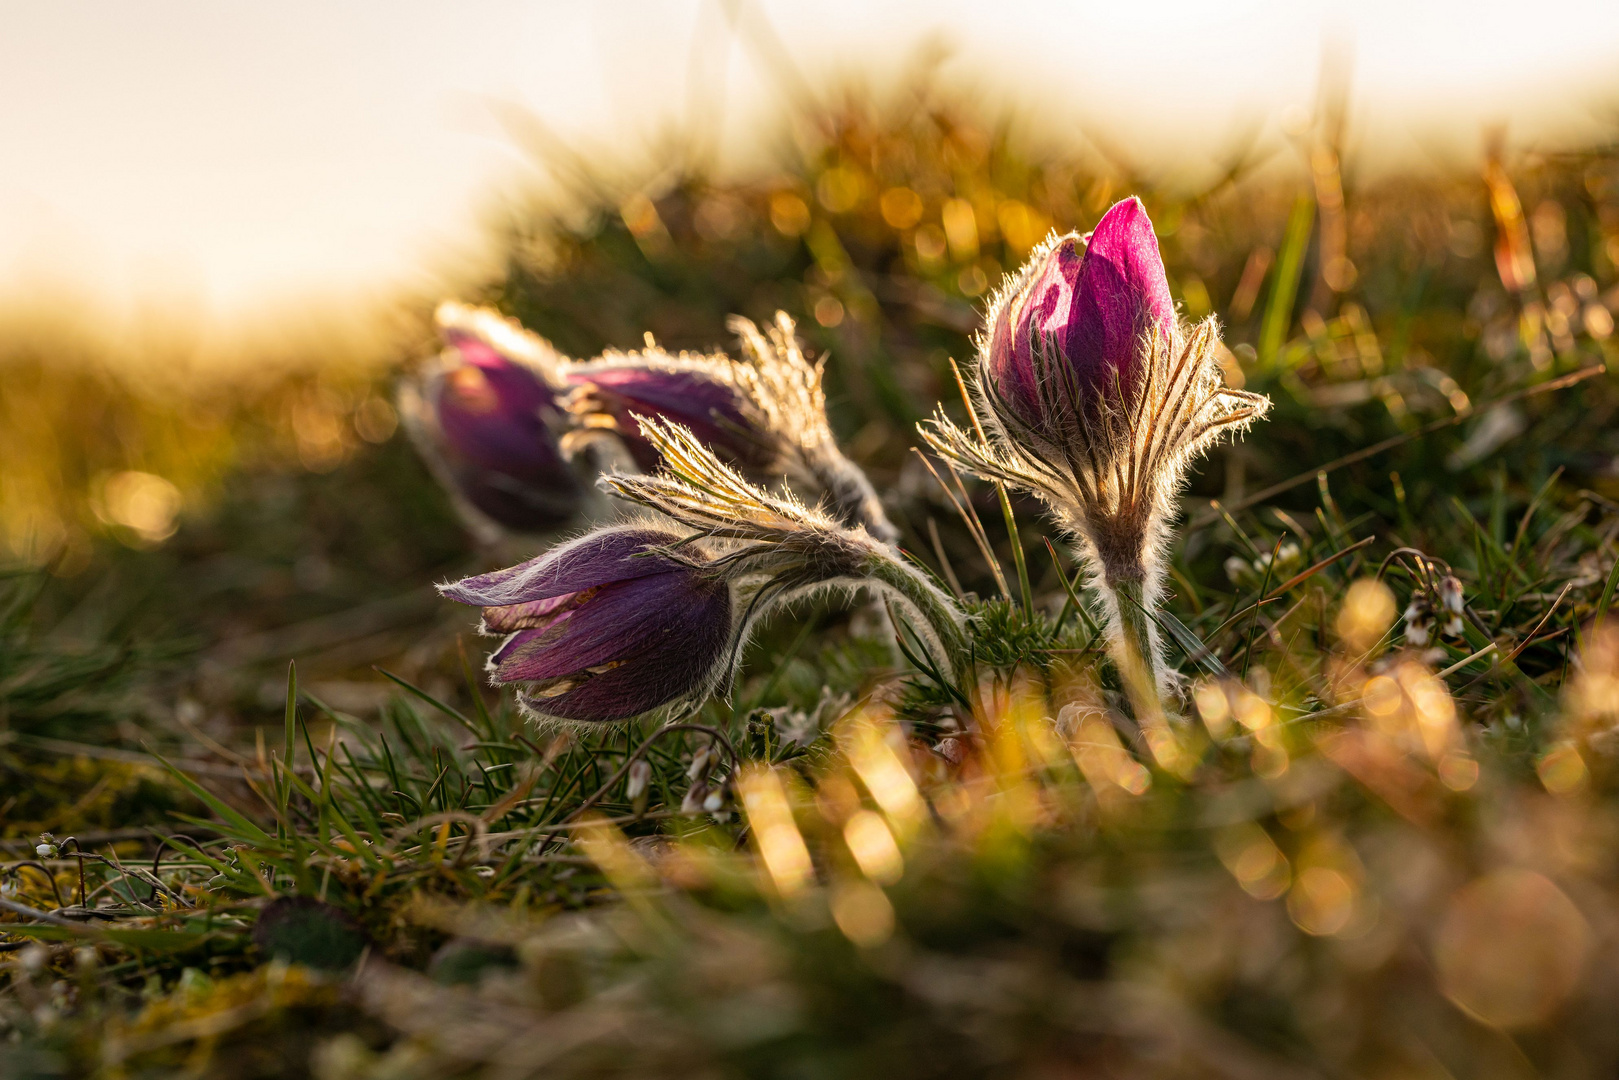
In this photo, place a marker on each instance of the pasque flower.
(1093, 395)
(764, 414)
(645, 618)
(611, 626)
(488, 417)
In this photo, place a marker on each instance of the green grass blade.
(245, 828)
(1607, 592)
(1289, 266)
(289, 744)
(452, 713)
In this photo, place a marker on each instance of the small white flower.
(694, 798)
(1450, 594)
(640, 774)
(45, 851)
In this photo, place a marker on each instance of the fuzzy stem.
(941, 619)
(854, 500)
(1134, 652)
(1132, 648)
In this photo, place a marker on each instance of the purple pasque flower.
(1094, 396)
(1068, 337)
(764, 414)
(608, 627)
(486, 417)
(698, 392)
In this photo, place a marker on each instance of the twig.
(1458, 665)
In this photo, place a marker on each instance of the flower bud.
(608, 627)
(638, 785)
(695, 797)
(639, 774)
(695, 392)
(1419, 622)
(1068, 335)
(764, 415)
(487, 417)
(1093, 396)
(1453, 603)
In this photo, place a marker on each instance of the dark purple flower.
(607, 627)
(1072, 325)
(495, 417)
(693, 392)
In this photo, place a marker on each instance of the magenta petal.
(600, 558)
(1026, 319)
(531, 615)
(1121, 293)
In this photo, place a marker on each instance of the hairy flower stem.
(939, 623)
(1133, 647)
(853, 499)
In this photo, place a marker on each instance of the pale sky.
(241, 157)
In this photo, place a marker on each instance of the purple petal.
(1121, 293)
(615, 622)
(492, 414)
(714, 411)
(602, 557)
(624, 649)
(675, 666)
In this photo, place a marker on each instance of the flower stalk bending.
(798, 550)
